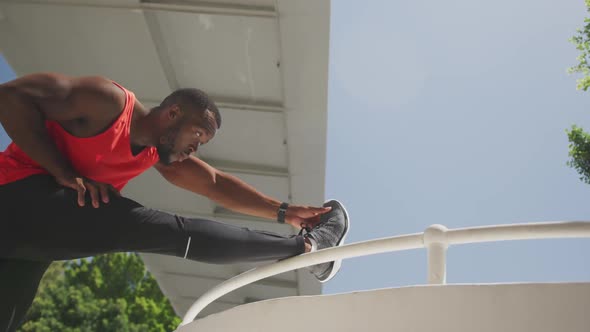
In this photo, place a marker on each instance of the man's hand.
(297, 215)
(98, 191)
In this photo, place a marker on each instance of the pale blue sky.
(454, 112)
(6, 73)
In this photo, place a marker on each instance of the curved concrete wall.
(547, 307)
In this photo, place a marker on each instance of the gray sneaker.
(329, 232)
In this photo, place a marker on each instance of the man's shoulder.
(100, 95)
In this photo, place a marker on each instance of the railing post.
(436, 243)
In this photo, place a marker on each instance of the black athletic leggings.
(41, 222)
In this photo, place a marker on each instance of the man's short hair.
(190, 98)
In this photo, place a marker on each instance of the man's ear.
(174, 112)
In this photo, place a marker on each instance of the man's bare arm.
(25, 104)
(23, 118)
(227, 190)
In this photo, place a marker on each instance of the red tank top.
(106, 157)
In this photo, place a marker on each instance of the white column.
(436, 243)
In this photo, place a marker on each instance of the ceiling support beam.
(153, 25)
(249, 107)
(170, 6)
(290, 285)
(224, 103)
(238, 220)
(246, 168)
(223, 302)
(203, 7)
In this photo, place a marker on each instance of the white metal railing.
(436, 239)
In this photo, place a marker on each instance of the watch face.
(281, 213)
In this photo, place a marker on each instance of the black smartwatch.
(281, 213)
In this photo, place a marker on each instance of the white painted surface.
(452, 308)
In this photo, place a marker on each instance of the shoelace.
(304, 227)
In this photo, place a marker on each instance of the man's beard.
(165, 154)
(165, 150)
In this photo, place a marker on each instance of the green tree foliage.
(582, 42)
(109, 293)
(579, 152)
(579, 141)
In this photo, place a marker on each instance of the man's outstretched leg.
(56, 228)
(19, 280)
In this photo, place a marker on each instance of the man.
(77, 141)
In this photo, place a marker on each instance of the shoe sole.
(338, 263)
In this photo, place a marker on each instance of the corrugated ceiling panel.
(83, 41)
(183, 266)
(191, 287)
(163, 195)
(256, 3)
(249, 137)
(226, 56)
